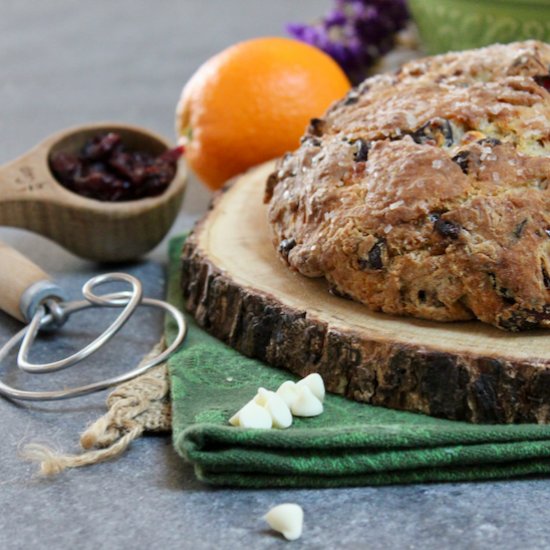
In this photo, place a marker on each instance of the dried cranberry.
(437, 132)
(316, 127)
(100, 146)
(447, 228)
(491, 142)
(286, 246)
(106, 170)
(501, 291)
(335, 291)
(462, 160)
(543, 80)
(362, 152)
(374, 259)
(65, 165)
(351, 98)
(518, 231)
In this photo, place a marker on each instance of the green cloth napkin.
(349, 444)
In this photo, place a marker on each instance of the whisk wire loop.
(50, 315)
(129, 301)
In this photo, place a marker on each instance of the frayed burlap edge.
(134, 407)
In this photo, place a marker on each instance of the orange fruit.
(252, 102)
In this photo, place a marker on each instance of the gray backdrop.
(65, 62)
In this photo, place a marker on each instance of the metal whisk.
(27, 294)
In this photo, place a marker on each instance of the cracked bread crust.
(425, 192)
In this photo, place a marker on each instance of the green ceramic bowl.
(447, 25)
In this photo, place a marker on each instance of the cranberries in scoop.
(106, 170)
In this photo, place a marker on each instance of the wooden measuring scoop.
(31, 198)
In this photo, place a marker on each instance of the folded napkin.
(349, 444)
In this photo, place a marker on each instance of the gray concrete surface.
(65, 62)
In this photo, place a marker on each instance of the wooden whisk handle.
(23, 285)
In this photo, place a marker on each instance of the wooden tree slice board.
(238, 290)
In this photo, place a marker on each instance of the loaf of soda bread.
(426, 192)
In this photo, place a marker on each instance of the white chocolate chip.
(275, 409)
(288, 392)
(287, 519)
(234, 420)
(252, 416)
(306, 404)
(275, 406)
(279, 411)
(261, 396)
(315, 383)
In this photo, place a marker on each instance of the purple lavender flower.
(356, 33)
